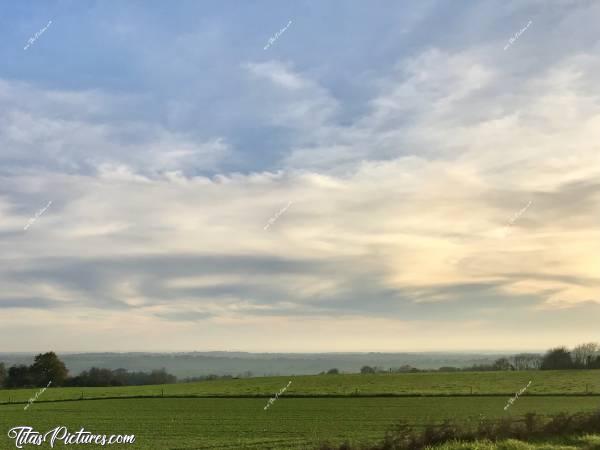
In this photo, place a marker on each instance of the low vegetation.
(290, 423)
(531, 427)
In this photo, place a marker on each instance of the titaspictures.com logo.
(28, 436)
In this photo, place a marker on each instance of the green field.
(292, 422)
(428, 383)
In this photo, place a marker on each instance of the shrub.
(367, 369)
(403, 436)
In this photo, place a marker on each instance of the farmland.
(289, 423)
(558, 382)
(360, 408)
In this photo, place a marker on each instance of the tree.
(479, 368)
(48, 368)
(584, 354)
(333, 371)
(448, 369)
(120, 377)
(160, 377)
(19, 376)
(502, 364)
(527, 361)
(2, 374)
(97, 376)
(367, 369)
(556, 359)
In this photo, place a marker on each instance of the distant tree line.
(583, 356)
(120, 377)
(376, 369)
(521, 361)
(210, 377)
(47, 367)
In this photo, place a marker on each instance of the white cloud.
(50, 135)
(396, 219)
(294, 100)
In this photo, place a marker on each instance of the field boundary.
(266, 396)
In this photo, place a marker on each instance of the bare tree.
(535, 361)
(584, 354)
(527, 361)
(520, 361)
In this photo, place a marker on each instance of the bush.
(403, 436)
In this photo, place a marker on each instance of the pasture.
(190, 423)
(295, 420)
(556, 382)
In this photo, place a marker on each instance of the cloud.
(79, 132)
(401, 192)
(296, 101)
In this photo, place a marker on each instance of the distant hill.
(192, 364)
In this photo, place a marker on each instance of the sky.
(299, 176)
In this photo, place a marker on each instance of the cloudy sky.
(398, 176)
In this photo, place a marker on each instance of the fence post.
(471, 390)
(162, 392)
(81, 396)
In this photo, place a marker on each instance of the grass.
(565, 382)
(308, 413)
(531, 427)
(590, 441)
(190, 423)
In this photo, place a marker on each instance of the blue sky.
(403, 135)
